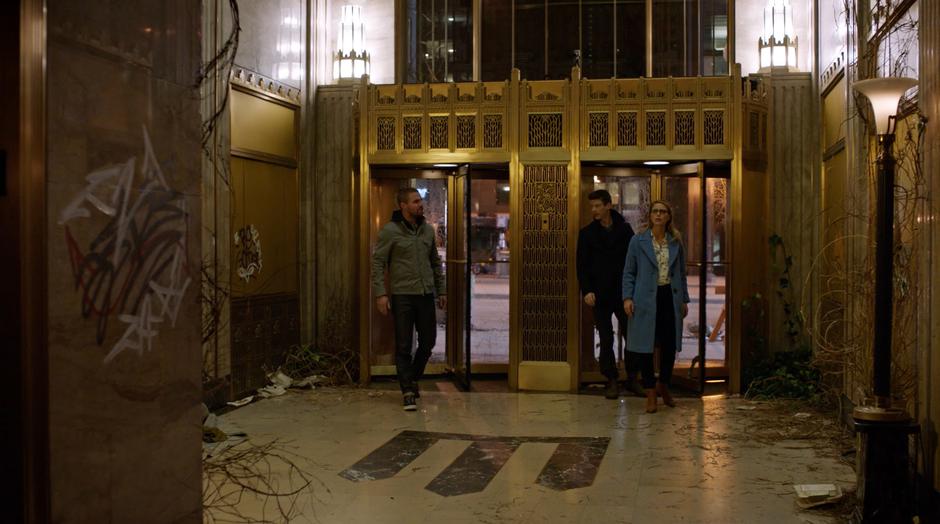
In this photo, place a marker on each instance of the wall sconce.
(289, 49)
(778, 45)
(351, 60)
(884, 481)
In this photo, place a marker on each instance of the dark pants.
(605, 331)
(665, 341)
(411, 313)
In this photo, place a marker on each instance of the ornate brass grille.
(492, 131)
(385, 138)
(626, 128)
(544, 262)
(411, 127)
(714, 128)
(466, 131)
(685, 128)
(545, 130)
(655, 128)
(599, 129)
(438, 134)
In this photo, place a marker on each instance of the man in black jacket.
(602, 249)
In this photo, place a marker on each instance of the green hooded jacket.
(410, 254)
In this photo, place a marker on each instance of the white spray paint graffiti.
(135, 268)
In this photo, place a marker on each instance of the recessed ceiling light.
(445, 165)
(656, 163)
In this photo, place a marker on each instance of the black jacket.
(601, 256)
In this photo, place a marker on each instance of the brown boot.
(651, 401)
(613, 389)
(664, 392)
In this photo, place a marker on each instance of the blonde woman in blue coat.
(656, 300)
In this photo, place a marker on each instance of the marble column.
(793, 187)
(929, 380)
(123, 268)
(333, 217)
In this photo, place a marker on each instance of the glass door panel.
(717, 205)
(383, 202)
(631, 197)
(489, 275)
(684, 195)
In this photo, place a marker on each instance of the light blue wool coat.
(640, 274)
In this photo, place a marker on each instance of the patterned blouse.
(662, 259)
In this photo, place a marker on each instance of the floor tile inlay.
(574, 463)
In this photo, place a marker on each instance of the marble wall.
(272, 38)
(124, 260)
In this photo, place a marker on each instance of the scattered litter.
(596, 386)
(374, 394)
(241, 402)
(278, 378)
(802, 415)
(812, 495)
(309, 382)
(273, 390)
(746, 408)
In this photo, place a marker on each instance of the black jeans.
(605, 331)
(665, 341)
(410, 313)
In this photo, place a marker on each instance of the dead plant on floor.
(248, 475)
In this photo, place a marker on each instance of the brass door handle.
(454, 261)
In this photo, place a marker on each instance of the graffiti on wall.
(248, 252)
(134, 268)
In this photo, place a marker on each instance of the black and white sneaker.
(408, 402)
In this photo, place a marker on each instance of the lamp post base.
(880, 414)
(885, 472)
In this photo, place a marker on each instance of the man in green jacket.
(408, 249)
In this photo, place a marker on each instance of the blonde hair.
(669, 227)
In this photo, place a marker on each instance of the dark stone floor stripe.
(473, 470)
(390, 458)
(573, 465)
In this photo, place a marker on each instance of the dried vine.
(269, 473)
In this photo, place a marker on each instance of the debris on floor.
(813, 495)
(241, 402)
(271, 391)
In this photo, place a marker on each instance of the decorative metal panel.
(656, 128)
(714, 127)
(466, 131)
(438, 134)
(626, 128)
(544, 263)
(685, 128)
(545, 130)
(598, 127)
(411, 125)
(385, 133)
(492, 131)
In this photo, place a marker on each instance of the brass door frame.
(365, 332)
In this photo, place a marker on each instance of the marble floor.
(495, 457)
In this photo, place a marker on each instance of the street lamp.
(884, 478)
